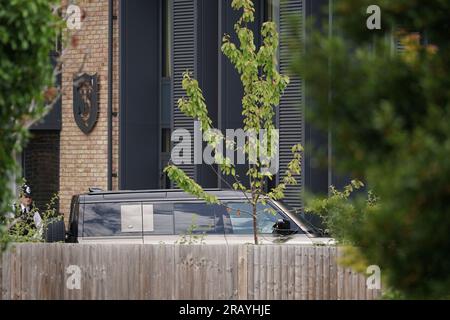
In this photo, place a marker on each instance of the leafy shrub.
(27, 34)
(342, 215)
(19, 230)
(390, 112)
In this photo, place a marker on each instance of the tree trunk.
(255, 226)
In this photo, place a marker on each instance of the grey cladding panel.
(290, 119)
(184, 53)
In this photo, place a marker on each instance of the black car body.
(173, 216)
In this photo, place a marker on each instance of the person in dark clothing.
(26, 212)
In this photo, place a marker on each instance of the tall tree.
(263, 86)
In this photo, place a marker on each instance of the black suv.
(173, 216)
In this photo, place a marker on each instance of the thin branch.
(220, 177)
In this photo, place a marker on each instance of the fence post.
(242, 273)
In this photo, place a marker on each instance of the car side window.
(197, 218)
(241, 221)
(112, 219)
(158, 218)
(101, 219)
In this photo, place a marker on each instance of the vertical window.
(165, 156)
(271, 10)
(165, 140)
(166, 93)
(166, 38)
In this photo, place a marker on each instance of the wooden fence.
(106, 271)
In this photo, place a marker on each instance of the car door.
(184, 222)
(105, 222)
(239, 225)
(158, 223)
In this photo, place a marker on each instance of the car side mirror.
(282, 226)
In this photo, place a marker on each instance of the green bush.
(27, 35)
(390, 115)
(19, 230)
(342, 215)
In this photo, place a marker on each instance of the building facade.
(138, 50)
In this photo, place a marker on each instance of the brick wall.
(84, 158)
(41, 166)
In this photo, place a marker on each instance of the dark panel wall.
(41, 166)
(139, 95)
(230, 87)
(319, 159)
(208, 53)
(316, 142)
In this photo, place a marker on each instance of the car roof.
(160, 194)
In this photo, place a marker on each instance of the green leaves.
(248, 10)
(341, 214)
(293, 168)
(18, 230)
(194, 106)
(389, 114)
(178, 176)
(263, 86)
(27, 34)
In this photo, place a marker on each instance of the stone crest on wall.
(85, 101)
